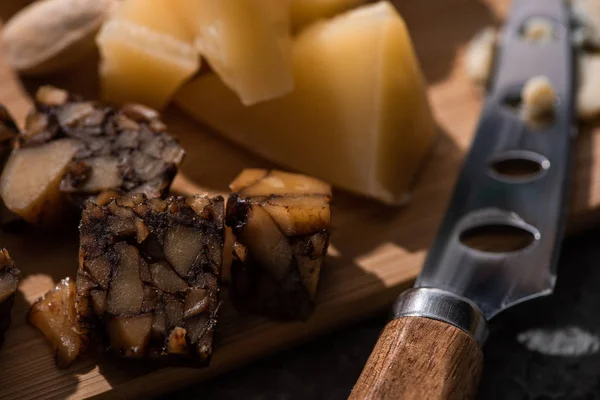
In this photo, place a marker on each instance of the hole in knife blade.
(519, 166)
(497, 238)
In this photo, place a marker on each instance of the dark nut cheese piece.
(281, 225)
(71, 150)
(148, 278)
(9, 279)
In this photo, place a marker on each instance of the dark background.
(327, 367)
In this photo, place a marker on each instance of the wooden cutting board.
(377, 251)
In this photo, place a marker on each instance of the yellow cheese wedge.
(304, 12)
(147, 53)
(358, 116)
(157, 15)
(246, 42)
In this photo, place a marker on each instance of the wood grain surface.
(376, 251)
(418, 358)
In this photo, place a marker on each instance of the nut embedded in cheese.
(145, 58)
(36, 198)
(358, 116)
(305, 12)
(246, 42)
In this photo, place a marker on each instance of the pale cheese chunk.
(147, 53)
(358, 116)
(246, 42)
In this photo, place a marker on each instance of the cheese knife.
(512, 185)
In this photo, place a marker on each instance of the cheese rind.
(358, 116)
(246, 42)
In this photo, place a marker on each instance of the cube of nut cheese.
(72, 149)
(148, 278)
(281, 226)
(9, 279)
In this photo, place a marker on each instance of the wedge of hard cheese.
(246, 42)
(358, 116)
(147, 53)
(304, 12)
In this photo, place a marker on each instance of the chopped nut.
(71, 113)
(161, 297)
(106, 197)
(299, 215)
(130, 335)
(51, 35)
(281, 183)
(126, 293)
(588, 100)
(182, 246)
(140, 113)
(99, 269)
(55, 315)
(166, 279)
(82, 149)
(98, 301)
(30, 181)
(103, 174)
(267, 243)
(176, 343)
(142, 230)
(247, 178)
(196, 302)
(280, 222)
(51, 96)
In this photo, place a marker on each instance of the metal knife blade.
(492, 281)
(431, 348)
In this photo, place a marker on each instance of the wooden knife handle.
(420, 358)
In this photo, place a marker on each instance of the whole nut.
(588, 100)
(479, 55)
(51, 35)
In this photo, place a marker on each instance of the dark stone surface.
(327, 367)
